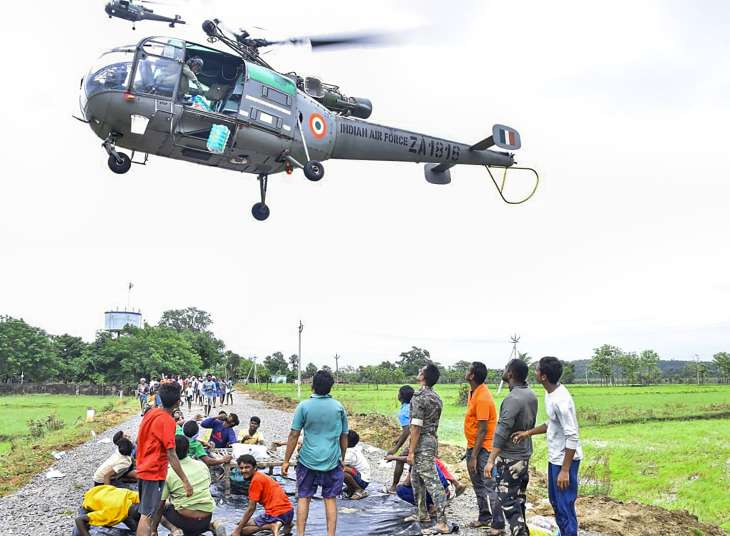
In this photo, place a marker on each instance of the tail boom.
(360, 140)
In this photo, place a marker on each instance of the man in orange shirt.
(155, 448)
(480, 421)
(278, 509)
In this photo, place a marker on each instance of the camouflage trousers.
(512, 478)
(425, 479)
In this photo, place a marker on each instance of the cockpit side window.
(156, 75)
(158, 67)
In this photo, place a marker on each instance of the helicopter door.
(269, 100)
(194, 132)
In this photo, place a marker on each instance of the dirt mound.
(375, 429)
(272, 400)
(612, 517)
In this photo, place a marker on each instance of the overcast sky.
(623, 107)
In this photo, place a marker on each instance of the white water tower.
(115, 321)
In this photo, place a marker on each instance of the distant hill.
(671, 368)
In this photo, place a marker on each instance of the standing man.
(155, 448)
(405, 394)
(480, 421)
(425, 414)
(512, 460)
(208, 394)
(142, 391)
(563, 443)
(321, 457)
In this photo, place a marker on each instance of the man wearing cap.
(189, 76)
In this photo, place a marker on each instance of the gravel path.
(47, 506)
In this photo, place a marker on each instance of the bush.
(39, 427)
(462, 395)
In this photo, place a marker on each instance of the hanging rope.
(500, 189)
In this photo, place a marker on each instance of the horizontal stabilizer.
(438, 173)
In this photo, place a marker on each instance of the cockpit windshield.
(111, 71)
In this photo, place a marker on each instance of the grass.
(666, 445)
(24, 453)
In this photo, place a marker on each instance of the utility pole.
(514, 355)
(299, 363)
(337, 368)
(697, 366)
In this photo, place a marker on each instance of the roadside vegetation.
(34, 426)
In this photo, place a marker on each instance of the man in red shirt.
(278, 510)
(155, 449)
(480, 421)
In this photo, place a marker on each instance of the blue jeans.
(563, 500)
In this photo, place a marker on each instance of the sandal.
(358, 495)
(415, 519)
(433, 531)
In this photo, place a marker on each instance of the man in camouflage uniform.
(510, 460)
(425, 414)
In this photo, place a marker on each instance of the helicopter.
(128, 10)
(244, 115)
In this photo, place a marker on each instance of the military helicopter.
(128, 10)
(245, 116)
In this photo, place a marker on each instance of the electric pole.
(697, 366)
(337, 368)
(299, 363)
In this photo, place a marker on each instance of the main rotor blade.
(341, 40)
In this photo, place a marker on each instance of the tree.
(309, 371)
(188, 319)
(69, 352)
(276, 364)
(413, 360)
(604, 361)
(206, 346)
(722, 362)
(293, 367)
(25, 350)
(630, 365)
(649, 366)
(568, 372)
(233, 363)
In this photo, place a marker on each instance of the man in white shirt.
(563, 443)
(357, 467)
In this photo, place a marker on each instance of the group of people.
(171, 462)
(499, 447)
(206, 391)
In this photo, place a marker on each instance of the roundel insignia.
(318, 126)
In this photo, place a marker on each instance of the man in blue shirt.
(320, 463)
(223, 434)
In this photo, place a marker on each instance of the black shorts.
(189, 526)
(150, 496)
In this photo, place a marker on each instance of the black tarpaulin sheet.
(378, 514)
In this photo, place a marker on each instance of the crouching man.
(278, 510)
(190, 514)
(107, 506)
